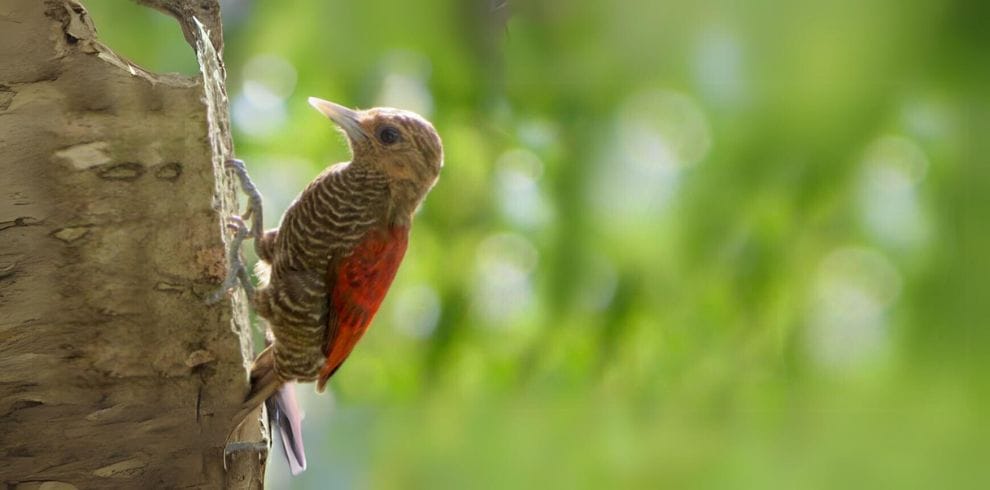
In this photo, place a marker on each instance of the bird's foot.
(259, 447)
(253, 211)
(242, 446)
(238, 270)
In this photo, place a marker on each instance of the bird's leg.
(241, 446)
(254, 211)
(261, 447)
(238, 270)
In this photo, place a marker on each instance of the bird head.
(400, 144)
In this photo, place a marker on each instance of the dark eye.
(388, 135)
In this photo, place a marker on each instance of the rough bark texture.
(114, 373)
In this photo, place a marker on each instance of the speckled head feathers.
(401, 144)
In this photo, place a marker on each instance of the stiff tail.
(284, 413)
(283, 408)
(264, 384)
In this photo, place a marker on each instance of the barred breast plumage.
(322, 227)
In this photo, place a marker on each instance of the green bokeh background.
(707, 244)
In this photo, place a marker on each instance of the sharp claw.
(237, 272)
(253, 210)
(260, 447)
(236, 447)
(236, 224)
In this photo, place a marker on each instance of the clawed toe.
(236, 224)
(240, 447)
(253, 211)
(260, 447)
(237, 273)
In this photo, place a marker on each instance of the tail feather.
(283, 408)
(264, 383)
(284, 413)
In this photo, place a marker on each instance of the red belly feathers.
(362, 280)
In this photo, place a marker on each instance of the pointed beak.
(346, 118)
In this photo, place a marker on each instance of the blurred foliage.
(704, 244)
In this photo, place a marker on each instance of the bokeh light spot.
(416, 311)
(260, 107)
(274, 73)
(718, 66)
(853, 289)
(520, 197)
(658, 135)
(503, 289)
(890, 208)
(404, 83)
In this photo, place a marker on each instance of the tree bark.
(114, 372)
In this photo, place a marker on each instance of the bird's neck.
(405, 198)
(403, 195)
(399, 218)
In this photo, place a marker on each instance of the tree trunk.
(114, 372)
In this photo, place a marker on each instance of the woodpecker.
(327, 267)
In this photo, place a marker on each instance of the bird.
(326, 268)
